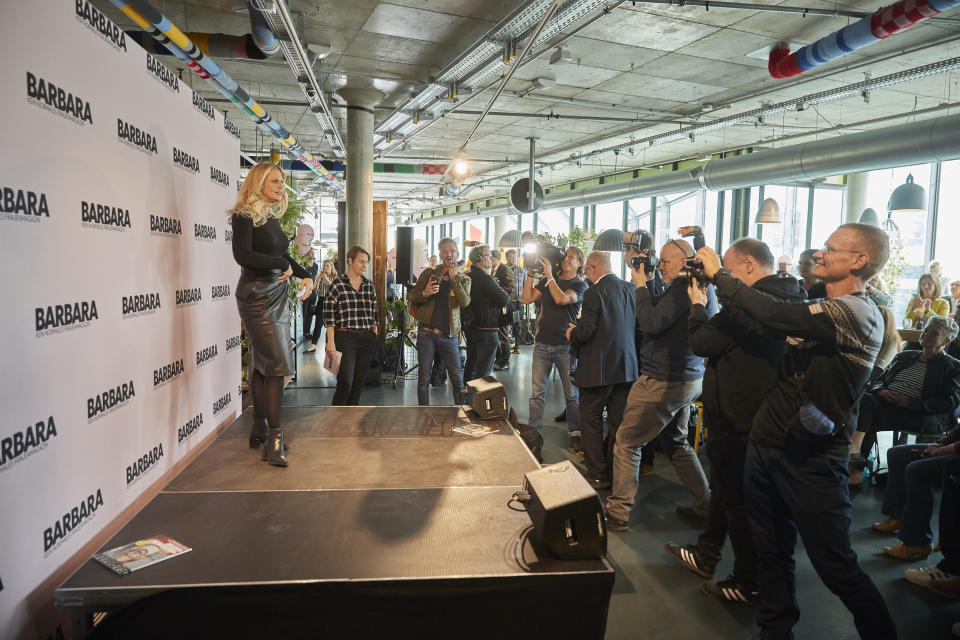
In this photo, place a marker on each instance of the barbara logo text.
(23, 204)
(46, 95)
(57, 318)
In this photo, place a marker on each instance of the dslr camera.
(692, 267)
(642, 242)
(533, 252)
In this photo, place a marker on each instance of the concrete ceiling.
(639, 56)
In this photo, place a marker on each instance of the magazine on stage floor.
(140, 554)
(475, 430)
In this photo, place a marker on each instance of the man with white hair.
(670, 379)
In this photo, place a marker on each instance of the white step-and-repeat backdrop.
(121, 339)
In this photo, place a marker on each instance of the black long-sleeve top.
(486, 299)
(832, 346)
(264, 248)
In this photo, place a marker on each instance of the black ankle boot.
(272, 451)
(258, 432)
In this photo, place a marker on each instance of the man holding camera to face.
(560, 294)
(795, 475)
(670, 379)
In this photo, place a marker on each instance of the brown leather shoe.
(905, 551)
(890, 525)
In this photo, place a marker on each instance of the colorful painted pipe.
(883, 23)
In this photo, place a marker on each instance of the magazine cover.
(140, 554)
(473, 429)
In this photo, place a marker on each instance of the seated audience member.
(814, 287)
(919, 391)
(934, 269)
(877, 292)
(944, 578)
(891, 345)
(926, 302)
(914, 469)
(954, 298)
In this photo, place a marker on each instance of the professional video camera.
(534, 251)
(692, 267)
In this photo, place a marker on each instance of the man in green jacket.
(435, 301)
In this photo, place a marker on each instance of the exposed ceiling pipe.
(806, 11)
(884, 22)
(259, 44)
(167, 33)
(934, 140)
(592, 104)
(560, 116)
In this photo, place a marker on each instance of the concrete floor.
(654, 597)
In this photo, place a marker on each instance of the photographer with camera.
(742, 362)
(487, 301)
(670, 379)
(560, 292)
(435, 301)
(795, 476)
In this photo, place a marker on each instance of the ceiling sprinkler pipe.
(883, 23)
(165, 32)
(260, 31)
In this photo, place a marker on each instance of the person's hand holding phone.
(432, 287)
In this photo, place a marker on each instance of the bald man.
(671, 375)
(607, 362)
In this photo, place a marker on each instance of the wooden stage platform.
(386, 523)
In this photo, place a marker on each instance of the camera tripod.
(402, 369)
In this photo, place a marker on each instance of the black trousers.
(727, 453)
(597, 450)
(356, 350)
(791, 490)
(877, 415)
(950, 518)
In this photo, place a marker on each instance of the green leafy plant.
(892, 272)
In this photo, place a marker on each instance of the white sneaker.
(925, 575)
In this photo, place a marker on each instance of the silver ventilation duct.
(933, 140)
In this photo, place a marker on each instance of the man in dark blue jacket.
(607, 362)
(670, 379)
(487, 302)
(795, 475)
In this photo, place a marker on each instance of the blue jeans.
(909, 496)
(429, 343)
(545, 357)
(481, 351)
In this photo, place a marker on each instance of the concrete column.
(855, 200)
(499, 228)
(360, 164)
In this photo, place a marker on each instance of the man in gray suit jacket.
(604, 338)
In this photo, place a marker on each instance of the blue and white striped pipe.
(881, 24)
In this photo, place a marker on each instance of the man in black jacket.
(607, 362)
(742, 362)
(487, 301)
(795, 475)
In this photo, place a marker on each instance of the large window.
(948, 222)
(554, 221)
(609, 216)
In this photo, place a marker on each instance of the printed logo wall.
(120, 334)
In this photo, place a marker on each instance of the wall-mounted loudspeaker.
(566, 512)
(404, 255)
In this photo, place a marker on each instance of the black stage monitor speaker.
(566, 512)
(489, 398)
(404, 255)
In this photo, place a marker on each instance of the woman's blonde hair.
(250, 201)
(333, 268)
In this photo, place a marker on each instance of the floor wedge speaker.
(566, 512)
(489, 398)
